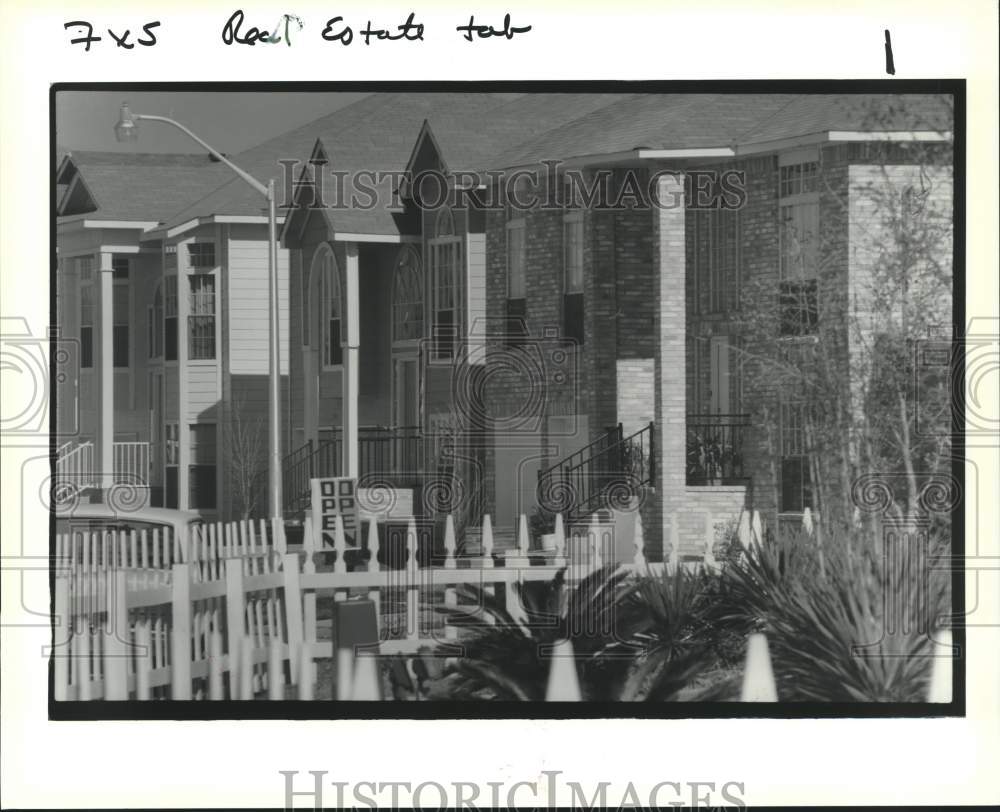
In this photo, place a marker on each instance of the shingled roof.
(696, 121)
(378, 133)
(130, 186)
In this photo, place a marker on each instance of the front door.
(719, 375)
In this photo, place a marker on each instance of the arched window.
(407, 297)
(446, 262)
(330, 307)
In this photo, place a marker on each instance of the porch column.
(105, 461)
(183, 407)
(669, 373)
(351, 354)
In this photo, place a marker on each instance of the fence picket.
(61, 649)
(275, 671)
(412, 581)
(246, 668)
(293, 612)
(305, 671)
(143, 659)
(215, 663)
(117, 637)
(180, 651)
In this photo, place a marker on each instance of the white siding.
(202, 391)
(248, 307)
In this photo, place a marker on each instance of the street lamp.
(127, 130)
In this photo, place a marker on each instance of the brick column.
(669, 357)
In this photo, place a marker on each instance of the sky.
(230, 122)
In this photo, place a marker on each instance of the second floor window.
(407, 298)
(573, 277)
(201, 254)
(717, 259)
(331, 310)
(120, 310)
(85, 268)
(201, 317)
(798, 294)
(86, 326)
(170, 318)
(516, 314)
(445, 251)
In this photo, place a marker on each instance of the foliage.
(828, 612)
(636, 638)
(869, 405)
(508, 658)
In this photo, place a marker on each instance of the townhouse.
(463, 357)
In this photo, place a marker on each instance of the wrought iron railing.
(604, 474)
(392, 455)
(715, 449)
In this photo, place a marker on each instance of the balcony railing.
(715, 449)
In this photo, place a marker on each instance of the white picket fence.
(239, 619)
(137, 618)
(105, 550)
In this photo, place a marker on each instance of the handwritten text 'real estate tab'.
(237, 30)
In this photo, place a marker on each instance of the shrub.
(826, 612)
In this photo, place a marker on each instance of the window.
(201, 317)
(331, 307)
(170, 257)
(798, 300)
(407, 298)
(202, 468)
(155, 337)
(717, 259)
(120, 311)
(573, 277)
(445, 257)
(86, 326)
(170, 318)
(171, 458)
(798, 179)
(796, 485)
(517, 327)
(201, 254)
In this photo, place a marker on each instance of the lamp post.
(127, 130)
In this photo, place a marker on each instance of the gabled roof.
(130, 186)
(377, 133)
(724, 120)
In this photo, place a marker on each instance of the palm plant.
(853, 630)
(664, 622)
(636, 638)
(508, 658)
